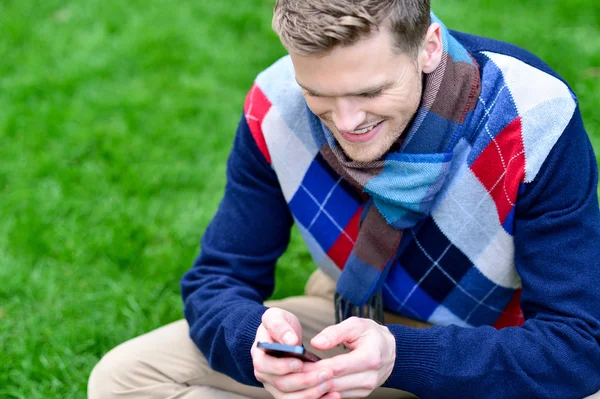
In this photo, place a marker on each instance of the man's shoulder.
(277, 115)
(529, 80)
(279, 86)
(522, 101)
(479, 45)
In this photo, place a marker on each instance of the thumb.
(282, 326)
(345, 332)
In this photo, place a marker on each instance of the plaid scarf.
(401, 188)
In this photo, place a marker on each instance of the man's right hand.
(283, 377)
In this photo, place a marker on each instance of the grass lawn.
(116, 118)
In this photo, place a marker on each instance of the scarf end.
(373, 309)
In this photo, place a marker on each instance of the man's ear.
(430, 55)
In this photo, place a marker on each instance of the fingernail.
(288, 338)
(320, 340)
(323, 376)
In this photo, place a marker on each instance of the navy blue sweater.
(555, 353)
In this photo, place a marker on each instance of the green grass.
(116, 119)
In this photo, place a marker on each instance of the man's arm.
(234, 274)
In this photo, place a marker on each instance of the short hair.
(312, 27)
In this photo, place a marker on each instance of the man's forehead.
(365, 67)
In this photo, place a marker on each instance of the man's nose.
(347, 115)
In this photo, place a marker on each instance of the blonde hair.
(309, 27)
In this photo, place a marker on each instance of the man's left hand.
(368, 364)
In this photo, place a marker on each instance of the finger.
(273, 391)
(265, 364)
(347, 363)
(311, 393)
(261, 336)
(269, 365)
(359, 393)
(353, 384)
(302, 381)
(347, 331)
(282, 326)
(332, 395)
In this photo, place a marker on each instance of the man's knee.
(163, 359)
(115, 373)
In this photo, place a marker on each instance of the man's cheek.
(318, 107)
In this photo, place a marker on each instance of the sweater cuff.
(417, 357)
(246, 335)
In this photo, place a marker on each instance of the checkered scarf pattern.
(400, 187)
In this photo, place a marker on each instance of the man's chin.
(363, 155)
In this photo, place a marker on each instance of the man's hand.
(366, 367)
(283, 377)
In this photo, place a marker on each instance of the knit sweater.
(507, 266)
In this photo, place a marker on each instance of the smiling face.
(366, 93)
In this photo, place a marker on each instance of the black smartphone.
(281, 350)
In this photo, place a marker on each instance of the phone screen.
(281, 350)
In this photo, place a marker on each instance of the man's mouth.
(363, 135)
(365, 130)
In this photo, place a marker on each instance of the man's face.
(366, 94)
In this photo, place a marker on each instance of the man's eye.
(371, 95)
(311, 94)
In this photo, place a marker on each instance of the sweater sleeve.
(234, 273)
(556, 352)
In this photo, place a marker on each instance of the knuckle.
(338, 370)
(374, 363)
(257, 365)
(370, 382)
(273, 324)
(315, 380)
(279, 385)
(269, 316)
(287, 316)
(329, 384)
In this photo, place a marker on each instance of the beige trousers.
(165, 363)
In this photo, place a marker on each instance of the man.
(440, 177)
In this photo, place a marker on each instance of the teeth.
(363, 131)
